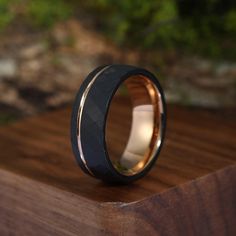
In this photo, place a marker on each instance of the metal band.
(89, 117)
(80, 111)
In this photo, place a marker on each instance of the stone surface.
(56, 63)
(8, 67)
(201, 82)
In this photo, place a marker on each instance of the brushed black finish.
(93, 121)
(74, 115)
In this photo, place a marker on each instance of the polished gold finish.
(145, 133)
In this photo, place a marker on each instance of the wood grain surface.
(190, 191)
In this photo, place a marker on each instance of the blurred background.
(47, 47)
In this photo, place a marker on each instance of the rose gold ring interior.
(145, 135)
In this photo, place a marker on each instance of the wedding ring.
(96, 136)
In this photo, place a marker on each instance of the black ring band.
(89, 121)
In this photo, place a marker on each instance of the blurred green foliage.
(44, 13)
(205, 27)
(38, 13)
(199, 26)
(6, 15)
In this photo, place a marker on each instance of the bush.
(205, 27)
(202, 26)
(43, 13)
(38, 13)
(6, 15)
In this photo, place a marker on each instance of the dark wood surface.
(190, 191)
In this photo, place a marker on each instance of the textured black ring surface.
(93, 121)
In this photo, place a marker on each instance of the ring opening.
(133, 127)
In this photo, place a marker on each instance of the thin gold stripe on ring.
(80, 111)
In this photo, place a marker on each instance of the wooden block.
(190, 191)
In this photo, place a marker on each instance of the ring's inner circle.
(133, 127)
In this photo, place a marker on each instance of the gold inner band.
(144, 136)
